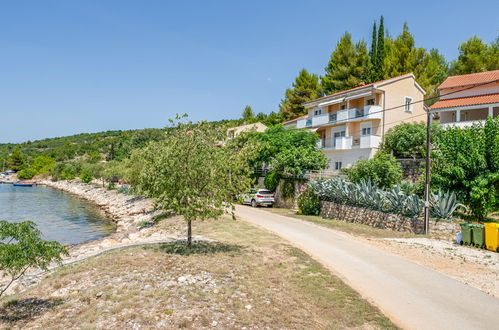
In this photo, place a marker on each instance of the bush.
(85, 176)
(23, 248)
(25, 174)
(309, 202)
(383, 170)
(272, 181)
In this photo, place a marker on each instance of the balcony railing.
(367, 112)
(349, 142)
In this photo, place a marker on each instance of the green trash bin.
(478, 233)
(466, 231)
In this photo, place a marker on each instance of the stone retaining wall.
(384, 220)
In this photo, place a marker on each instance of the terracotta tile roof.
(470, 79)
(359, 87)
(465, 101)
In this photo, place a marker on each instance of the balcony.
(349, 142)
(347, 115)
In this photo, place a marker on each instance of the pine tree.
(17, 159)
(347, 66)
(380, 52)
(248, 115)
(476, 56)
(305, 88)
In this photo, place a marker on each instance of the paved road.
(412, 296)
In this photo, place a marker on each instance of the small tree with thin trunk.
(21, 248)
(192, 174)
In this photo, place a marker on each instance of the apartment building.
(352, 123)
(468, 99)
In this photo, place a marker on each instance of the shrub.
(27, 173)
(22, 249)
(85, 176)
(272, 180)
(383, 170)
(309, 202)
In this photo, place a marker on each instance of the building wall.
(348, 157)
(466, 91)
(395, 94)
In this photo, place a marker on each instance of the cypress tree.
(372, 56)
(380, 51)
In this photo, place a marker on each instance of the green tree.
(192, 176)
(42, 164)
(466, 161)
(85, 176)
(277, 146)
(347, 66)
(476, 56)
(435, 71)
(383, 170)
(17, 159)
(380, 52)
(372, 63)
(248, 115)
(305, 88)
(297, 161)
(22, 249)
(408, 140)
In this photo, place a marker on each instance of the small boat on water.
(24, 184)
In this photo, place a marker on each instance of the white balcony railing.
(349, 142)
(367, 112)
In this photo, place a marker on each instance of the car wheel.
(253, 203)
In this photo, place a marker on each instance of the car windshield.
(267, 192)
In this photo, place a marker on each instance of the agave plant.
(396, 200)
(443, 205)
(413, 206)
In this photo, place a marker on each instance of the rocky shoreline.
(128, 212)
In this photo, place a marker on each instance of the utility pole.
(427, 176)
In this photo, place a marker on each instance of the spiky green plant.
(443, 204)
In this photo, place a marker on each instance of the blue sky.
(69, 66)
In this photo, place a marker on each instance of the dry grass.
(251, 279)
(348, 227)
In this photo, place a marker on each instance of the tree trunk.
(189, 233)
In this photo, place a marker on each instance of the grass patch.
(247, 278)
(347, 227)
(200, 247)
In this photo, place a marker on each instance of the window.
(370, 101)
(366, 131)
(343, 106)
(337, 166)
(408, 105)
(317, 111)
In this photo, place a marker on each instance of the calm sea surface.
(59, 216)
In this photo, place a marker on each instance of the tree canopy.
(305, 88)
(466, 160)
(476, 56)
(190, 174)
(347, 67)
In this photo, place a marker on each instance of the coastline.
(126, 211)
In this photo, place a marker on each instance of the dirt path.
(413, 296)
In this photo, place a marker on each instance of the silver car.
(260, 197)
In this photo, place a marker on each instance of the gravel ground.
(475, 267)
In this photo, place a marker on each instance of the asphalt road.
(412, 296)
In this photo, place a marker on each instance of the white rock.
(248, 307)
(182, 279)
